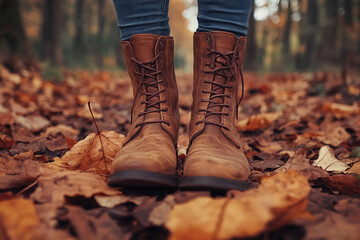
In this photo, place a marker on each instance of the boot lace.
(148, 79)
(230, 71)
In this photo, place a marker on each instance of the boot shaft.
(150, 62)
(218, 60)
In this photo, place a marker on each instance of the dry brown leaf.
(278, 200)
(335, 136)
(15, 181)
(54, 186)
(345, 184)
(95, 152)
(159, 215)
(341, 110)
(298, 162)
(85, 226)
(84, 112)
(29, 155)
(71, 142)
(63, 129)
(355, 168)
(18, 219)
(112, 201)
(33, 123)
(6, 141)
(257, 122)
(328, 161)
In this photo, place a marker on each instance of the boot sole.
(142, 178)
(213, 184)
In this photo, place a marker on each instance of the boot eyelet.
(208, 39)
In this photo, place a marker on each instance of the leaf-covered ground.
(300, 132)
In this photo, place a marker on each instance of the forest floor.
(300, 132)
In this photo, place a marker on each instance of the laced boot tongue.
(144, 49)
(144, 46)
(223, 43)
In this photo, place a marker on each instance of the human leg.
(215, 159)
(148, 157)
(227, 16)
(142, 16)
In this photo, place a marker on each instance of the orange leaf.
(71, 142)
(279, 200)
(95, 152)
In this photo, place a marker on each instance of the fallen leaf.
(332, 226)
(299, 163)
(6, 141)
(159, 215)
(48, 228)
(26, 167)
(341, 110)
(95, 152)
(41, 158)
(29, 155)
(71, 142)
(355, 168)
(54, 186)
(328, 161)
(14, 181)
(112, 201)
(84, 112)
(21, 134)
(350, 208)
(141, 213)
(257, 122)
(18, 219)
(278, 200)
(32, 123)
(66, 131)
(87, 226)
(53, 143)
(335, 136)
(345, 184)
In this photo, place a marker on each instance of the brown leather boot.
(149, 156)
(215, 160)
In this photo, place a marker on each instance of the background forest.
(284, 35)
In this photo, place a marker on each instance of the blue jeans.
(151, 16)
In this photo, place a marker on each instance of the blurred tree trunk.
(78, 44)
(100, 35)
(12, 31)
(287, 31)
(250, 62)
(51, 31)
(310, 34)
(348, 6)
(328, 46)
